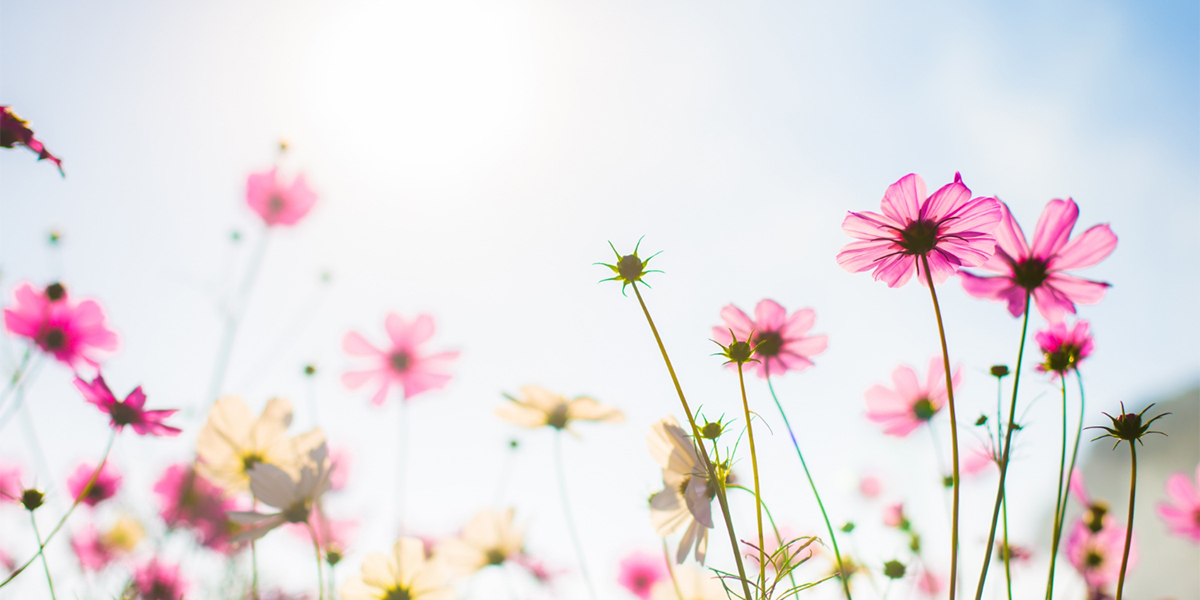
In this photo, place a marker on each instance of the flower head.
(1096, 555)
(333, 535)
(1129, 427)
(15, 131)
(187, 500)
(1064, 348)
(1182, 513)
(629, 268)
(639, 572)
(293, 496)
(233, 442)
(1038, 269)
(130, 411)
(97, 550)
(779, 340)
(949, 229)
(404, 363)
(489, 538)
(910, 403)
(70, 331)
(539, 407)
(107, 482)
(277, 202)
(685, 502)
(157, 580)
(405, 574)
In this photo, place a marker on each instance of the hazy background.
(474, 158)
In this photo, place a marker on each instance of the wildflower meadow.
(657, 301)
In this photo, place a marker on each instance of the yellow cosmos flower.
(490, 538)
(539, 407)
(233, 441)
(405, 575)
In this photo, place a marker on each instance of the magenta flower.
(1039, 268)
(639, 572)
(10, 483)
(107, 482)
(15, 131)
(1064, 348)
(1182, 513)
(276, 202)
(779, 339)
(67, 330)
(893, 516)
(129, 411)
(911, 403)
(188, 501)
(157, 580)
(403, 363)
(1096, 555)
(90, 549)
(949, 228)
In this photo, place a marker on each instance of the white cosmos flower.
(685, 502)
(405, 574)
(294, 497)
(233, 441)
(539, 407)
(694, 584)
(490, 538)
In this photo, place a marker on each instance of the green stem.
(828, 526)
(1129, 526)
(937, 310)
(1075, 451)
(562, 492)
(1004, 502)
(1000, 495)
(722, 498)
(762, 570)
(317, 549)
(1060, 504)
(45, 565)
(774, 528)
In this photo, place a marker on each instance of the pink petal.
(736, 320)
(902, 200)
(721, 335)
(945, 200)
(381, 396)
(1093, 246)
(857, 257)
(995, 288)
(1078, 489)
(1054, 227)
(769, 315)
(356, 379)
(1052, 305)
(867, 225)
(799, 323)
(1009, 236)
(356, 345)
(809, 346)
(907, 386)
(896, 270)
(1181, 492)
(1076, 289)
(136, 398)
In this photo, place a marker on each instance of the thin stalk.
(317, 549)
(234, 318)
(1129, 527)
(566, 502)
(721, 495)
(17, 374)
(774, 528)
(1000, 495)
(762, 571)
(1004, 502)
(1074, 452)
(828, 526)
(671, 569)
(937, 311)
(1059, 503)
(45, 565)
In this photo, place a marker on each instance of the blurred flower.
(405, 574)
(1039, 269)
(1096, 555)
(695, 583)
(93, 554)
(10, 482)
(7, 561)
(233, 442)
(893, 516)
(107, 482)
(685, 502)
(490, 538)
(340, 460)
(948, 228)
(294, 498)
(157, 580)
(15, 131)
(1064, 348)
(779, 340)
(333, 535)
(276, 202)
(124, 535)
(1095, 513)
(910, 404)
(1182, 513)
(539, 407)
(69, 331)
(929, 583)
(129, 411)
(978, 458)
(403, 363)
(870, 486)
(639, 571)
(187, 500)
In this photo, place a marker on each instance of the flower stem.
(722, 498)
(762, 569)
(1074, 452)
(937, 310)
(45, 565)
(317, 549)
(566, 502)
(1060, 504)
(233, 319)
(671, 569)
(1003, 502)
(828, 526)
(1000, 495)
(1129, 526)
(774, 528)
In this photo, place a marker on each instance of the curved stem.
(1000, 495)
(1129, 526)
(937, 310)
(671, 569)
(317, 549)
(821, 505)
(1075, 451)
(762, 570)
(45, 565)
(1059, 503)
(774, 528)
(566, 502)
(721, 496)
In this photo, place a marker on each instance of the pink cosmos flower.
(780, 343)
(541, 572)
(10, 482)
(1064, 348)
(276, 202)
(1182, 513)
(15, 131)
(90, 549)
(1096, 555)
(639, 572)
(911, 403)
(157, 580)
(978, 459)
(188, 501)
(69, 331)
(129, 411)
(1038, 268)
(870, 486)
(929, 584)
(403, 363)
(893, 516)
(333, 535)
(949, 228)
(7, 560)
(107, 482)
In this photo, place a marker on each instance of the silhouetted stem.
(1058, 502)
(1004, 502)
(774, 528)
(566, 503)
(45, 565)
(1129, 526)
(762, 571)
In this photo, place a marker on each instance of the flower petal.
(1054, 227)
(1091, 247)
(902, 200)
